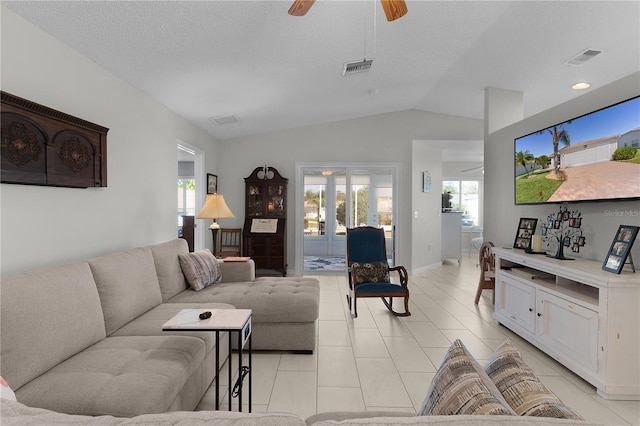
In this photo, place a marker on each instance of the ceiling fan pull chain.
(375, 29)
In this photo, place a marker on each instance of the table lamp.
(215, 208)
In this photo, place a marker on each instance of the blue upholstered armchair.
(369, 272)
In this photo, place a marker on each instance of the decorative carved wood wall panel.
(42, 146)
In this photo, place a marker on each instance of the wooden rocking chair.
(368, 270)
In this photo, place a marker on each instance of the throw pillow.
(200, 268)
(461, 386)
(372, 272)
(521, 388)
(5, 391)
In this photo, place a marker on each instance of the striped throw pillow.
(521, 388)
(461, 386)
(200, 268)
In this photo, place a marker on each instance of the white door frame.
(299, 204)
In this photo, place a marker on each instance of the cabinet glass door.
(276, 201)
(254, 201)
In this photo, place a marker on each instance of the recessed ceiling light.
(581, 86)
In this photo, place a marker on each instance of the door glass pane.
(360, 199)
(384, 203)
(315, 199)
(341, 203)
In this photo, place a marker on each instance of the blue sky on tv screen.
(614, 120)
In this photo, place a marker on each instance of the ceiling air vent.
(226, 119)
(356, 67)
(583, 57)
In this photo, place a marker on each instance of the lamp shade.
(214, 208)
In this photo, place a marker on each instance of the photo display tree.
(565, 227)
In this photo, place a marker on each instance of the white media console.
(586, 318)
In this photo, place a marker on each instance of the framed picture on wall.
(212, 183)
(526, 229)
(620, 248)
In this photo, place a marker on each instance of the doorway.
(335, 197)
(190, 194)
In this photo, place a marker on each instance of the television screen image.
(594, 157)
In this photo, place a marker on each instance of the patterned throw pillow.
(521, 388)
(373, 272)
(461, 386)
(201, 269)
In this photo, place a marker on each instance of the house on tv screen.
(597, 150)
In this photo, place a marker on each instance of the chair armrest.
(402, 273)
(238, 271)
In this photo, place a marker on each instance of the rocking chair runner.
(369, 272)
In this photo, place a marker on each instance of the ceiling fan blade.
(473, 169)
(394, 9)
(300, 7)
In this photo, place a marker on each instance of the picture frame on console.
(524, 234)
(620, 249)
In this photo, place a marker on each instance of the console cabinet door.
(568, 328)
(517, 302)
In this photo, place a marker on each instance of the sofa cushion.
(15, 413)
(200, 269)
(461, 386)
(521, 388)
(170, 276)
(272, 299)
(46, 317)
(119, 376)
(127, 284)
(150, 323)
(238, 271)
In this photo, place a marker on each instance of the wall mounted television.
(583, 167)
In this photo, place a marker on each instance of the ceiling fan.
(394, 9)
(474, 169)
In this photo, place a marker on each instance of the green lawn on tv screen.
(535, 187)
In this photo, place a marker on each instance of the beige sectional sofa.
(86, 338)
(81, 344)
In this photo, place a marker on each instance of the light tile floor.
(381, 362)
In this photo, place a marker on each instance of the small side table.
(229, 320)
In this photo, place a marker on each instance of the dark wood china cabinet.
(265, 231)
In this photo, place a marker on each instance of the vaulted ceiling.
(271, 71)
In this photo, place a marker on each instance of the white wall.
(381, 138)
(43, 226)
(427, 226)
(601, 219)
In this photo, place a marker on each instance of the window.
(465, 198)
(186, 198)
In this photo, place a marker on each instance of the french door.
(335, 198)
